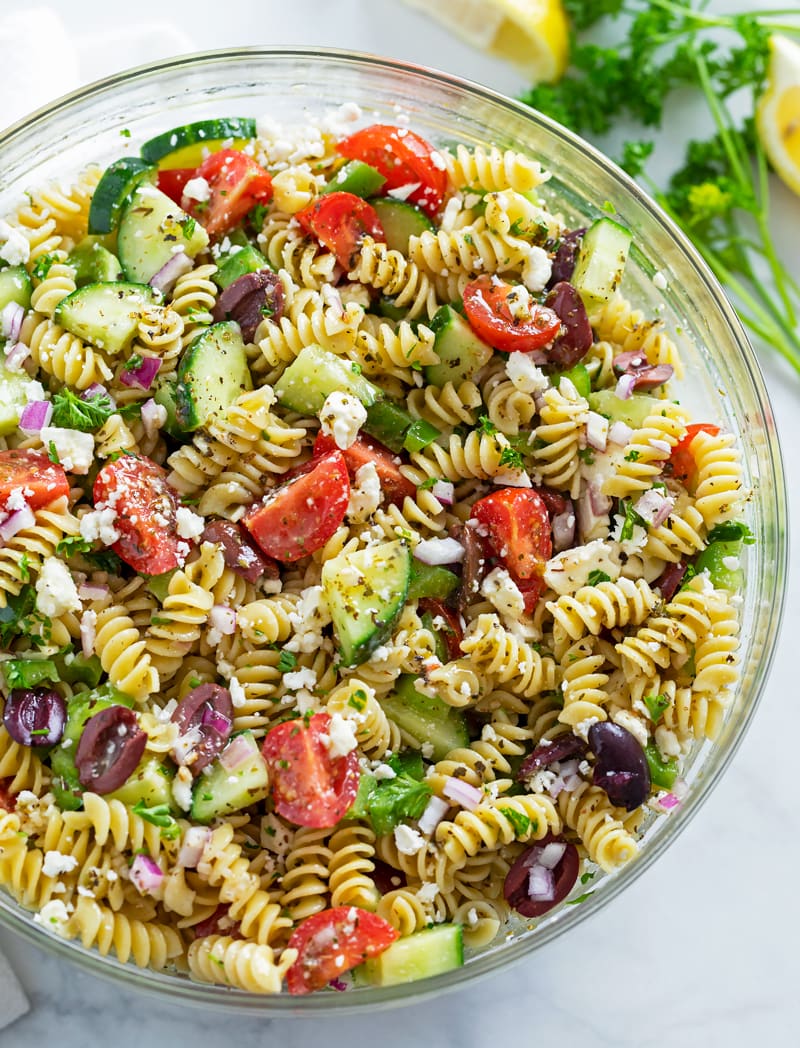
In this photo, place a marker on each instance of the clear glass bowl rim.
(220, 998)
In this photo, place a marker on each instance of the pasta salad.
(362, 585)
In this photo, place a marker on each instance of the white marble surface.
(701, 952)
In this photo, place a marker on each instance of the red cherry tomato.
(333, 942)
(39, 480)
(403, 158)
(301, 515)
(146, 507)
(172, 182)
(237, 184)
(340, 221)
(518, 528)
(394, 485)
(684, 467)
(452, 634)
(310, 788)
(486, 306)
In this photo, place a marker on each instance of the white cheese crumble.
(365, 494)
(53, 916)
(518, 301)
(275, 837)
(189, 524)
(408, 840)
(302, 678)
(341, 736)
(55, 863)
(182, 789)
(14, 246)
(308, 620)
(731, 563)
(75, 450)
(667, 742)
(342, 416)
(525, 375)
(503, 593)
(582, 727)
(659, 281)
(428, 892)
(238, 696)
(384, 771)
(197, 189)
(635, 725)
(567, 572)
(536, 269)
(56, 592)
(99, 524)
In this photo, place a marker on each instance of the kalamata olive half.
(219, 923)
(206, 715)
(645, 375)
(565, 257)
(563, 748)
(575, 341)
(35, 717)
(109, 749)
(241, 556)
(250, 299)
(620, 766)
(473, 566)
(517, 886)
(670, 578)
(386, 878)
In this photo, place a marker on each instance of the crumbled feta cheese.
(186, 744)
(384, 771)
(518, 301)
(365, 494)
(99, 524)
(426, 749)
(75, 450)
(238, 696)
(525, 375)
(302, 678)
(14, 246)
(503, 593)
(341, 736)
(182, 789)
(427, 893)
(635, 725)
(567, 572)
(305, 702)
(33, 391)
(308, 620)
(56, 592)
(582, 727)
(274, 836)
(408, 840)
(55, 863)
(197, 189)
(512, 478)
(659, 281)
(731, 563)
(536, 269)
(342, 416)
(189, 524)
(667, 742)
(53, 917)
(636, 542)
(404, 192)
(451, 212)
(16, 500)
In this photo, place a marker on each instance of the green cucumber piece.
(15, 286)
(388, 422)
(429, 580)
(79, 669)
(461, 353)
(578, 376)
(663, 773)
(366, 591)
(212, 373)
(632, 411)
(165, 396)
(237, 263)
(356, 177)
(386, 308)
(151, 784)
(225, 790)
(153, 229)
(426, 718)
(27, 673)
(106, 314)
(93, 263)
(711, 560)
(418, 956)
(315, 373)
(114, 190)
(13, 396)
(400, 220)
(407, 762)
(601, 262)
(419, 435)
(440, 648)
(202, 134)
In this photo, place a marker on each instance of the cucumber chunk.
(305, 384)
(107, 314)
(13, 397)
(152, 229)
(578, 376)
(356, 177)
(202, 134)
(235, 265)
(429, 580)
(632, 411)
(227, 789)
(418, 956)
(151, 783)
(15, 286)
(461, 353)
(94, 263)
(366, 591)
(212, 373)
(425, 718)
(400, 220)
(712, 560)
(393, 426)
(601, 262)
(114, 190)
(165, 396)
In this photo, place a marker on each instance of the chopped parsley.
(732, 531)
(596, 577)
(632, 456)
(358, 700)
(586, 455)
(656, 704)
(161, 816)
(72, 544)
(287, 661)
(106, 560)
(42, 267)
(519, 820)
(580, 899)
(27, 673)
(512, 458)
(52, 454)
(73, 412)
(485, 425)
(188, 226)
(632, 519)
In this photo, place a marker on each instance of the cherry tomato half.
(404, 159)
(310, 788)
(682, 463)
(237, 183)
(300, 516)
(490, 317)
(452, 634)
(394, 485)
(146, 508)
(340, 221)
(40, 480)
(173, 181)
(333, 942)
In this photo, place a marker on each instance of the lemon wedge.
(778, 113)
(533, 35)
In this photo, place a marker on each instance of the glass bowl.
(723, 379)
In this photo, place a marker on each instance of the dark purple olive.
(516, 888)
(645, 375)
(386, 878)
(249, 299)
(562, 748)
(565, 257)
(473, 566)
(208, 710)
(670, 578)
(575, 341)
(620, 766)
(241, 556)
(35, 717)
(109, 749)
(219, 923)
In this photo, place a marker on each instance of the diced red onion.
(620, 433)
(588, 516)
(16, 522)
(669, 801)
(146, 875)
(167, 277)
(625, 386)
(94, 389)
(93, 591)
(435, 811)
(235, 753)
(153, 416)
(541, 884)
(460, 792)
(572, 783)
(661, 445)
(552, 854)
(337, 984)
(194, 843)
(223, 619)
(143, 375)
(444, 491)
(218, 721)
(16, 356)
(555, 787)
(11, 320)
(567, 768)
(35, 415)
(563, 530)
(439, 551)
(680, 788)
(654, 508)
(597, 431)
(88, 634)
